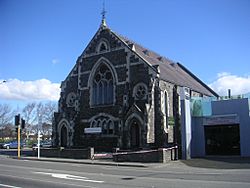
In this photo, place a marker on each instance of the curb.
(82, 162)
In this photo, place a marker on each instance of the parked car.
(1, 145)
(12, 145)
(43, 144)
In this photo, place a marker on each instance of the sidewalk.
(219, 162)
(198, 163)
(89, 161)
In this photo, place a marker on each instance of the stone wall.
(152, 156)
(65, 153)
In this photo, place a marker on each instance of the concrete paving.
(88, 161)
(219, 162)
(209, 162)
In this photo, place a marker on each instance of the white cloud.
(42, 89)
(225, 81)
(55, 61)
(222, 74)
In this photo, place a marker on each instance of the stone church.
(120, 94)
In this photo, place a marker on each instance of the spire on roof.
(103, 13)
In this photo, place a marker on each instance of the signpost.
(39, 135)
(38, 144)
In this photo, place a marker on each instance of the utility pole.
(17, 123)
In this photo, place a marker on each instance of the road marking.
(10, 186)
(46, 181)
(70, 177)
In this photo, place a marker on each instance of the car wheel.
(8, 147)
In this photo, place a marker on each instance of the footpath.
(89, 161)
(209, 162)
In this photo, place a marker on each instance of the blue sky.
(40, 40)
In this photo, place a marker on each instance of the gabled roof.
(170, 71)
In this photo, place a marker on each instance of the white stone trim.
(121, 83)
(98, 115)
(133, 115)
(163, 108)
(120, 66)
(105, 115)
(84, 88)
(128, 126)
(65, 122)
(136, 88)
(85, 72)
(104, 42)
(111, 50)
(69, 97)
(79, 75)
(165, 113)
(136, 63)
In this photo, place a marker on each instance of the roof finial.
(103, 14)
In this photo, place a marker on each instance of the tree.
(49, 109)
(29, 114)
(39, 116)
(6, 121)
(6, 114)
(7, 132)
(44, 117)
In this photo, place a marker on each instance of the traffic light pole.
(19, 123)
(18, 142)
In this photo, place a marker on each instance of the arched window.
(105, 123)
(110, 127)
(103, 86)
(102, 46)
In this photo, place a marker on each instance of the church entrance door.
(134, 135)
(63, 136)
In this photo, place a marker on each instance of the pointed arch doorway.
(64, 138)
(134, 134)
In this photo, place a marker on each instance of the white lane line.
(46, 181)
(69, 177)
(10, 186)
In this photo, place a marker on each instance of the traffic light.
(22, 123)
(17, 119)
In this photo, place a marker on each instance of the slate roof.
(170, 71)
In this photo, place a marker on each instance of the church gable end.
(123, 90)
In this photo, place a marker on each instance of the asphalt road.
(25, 174)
